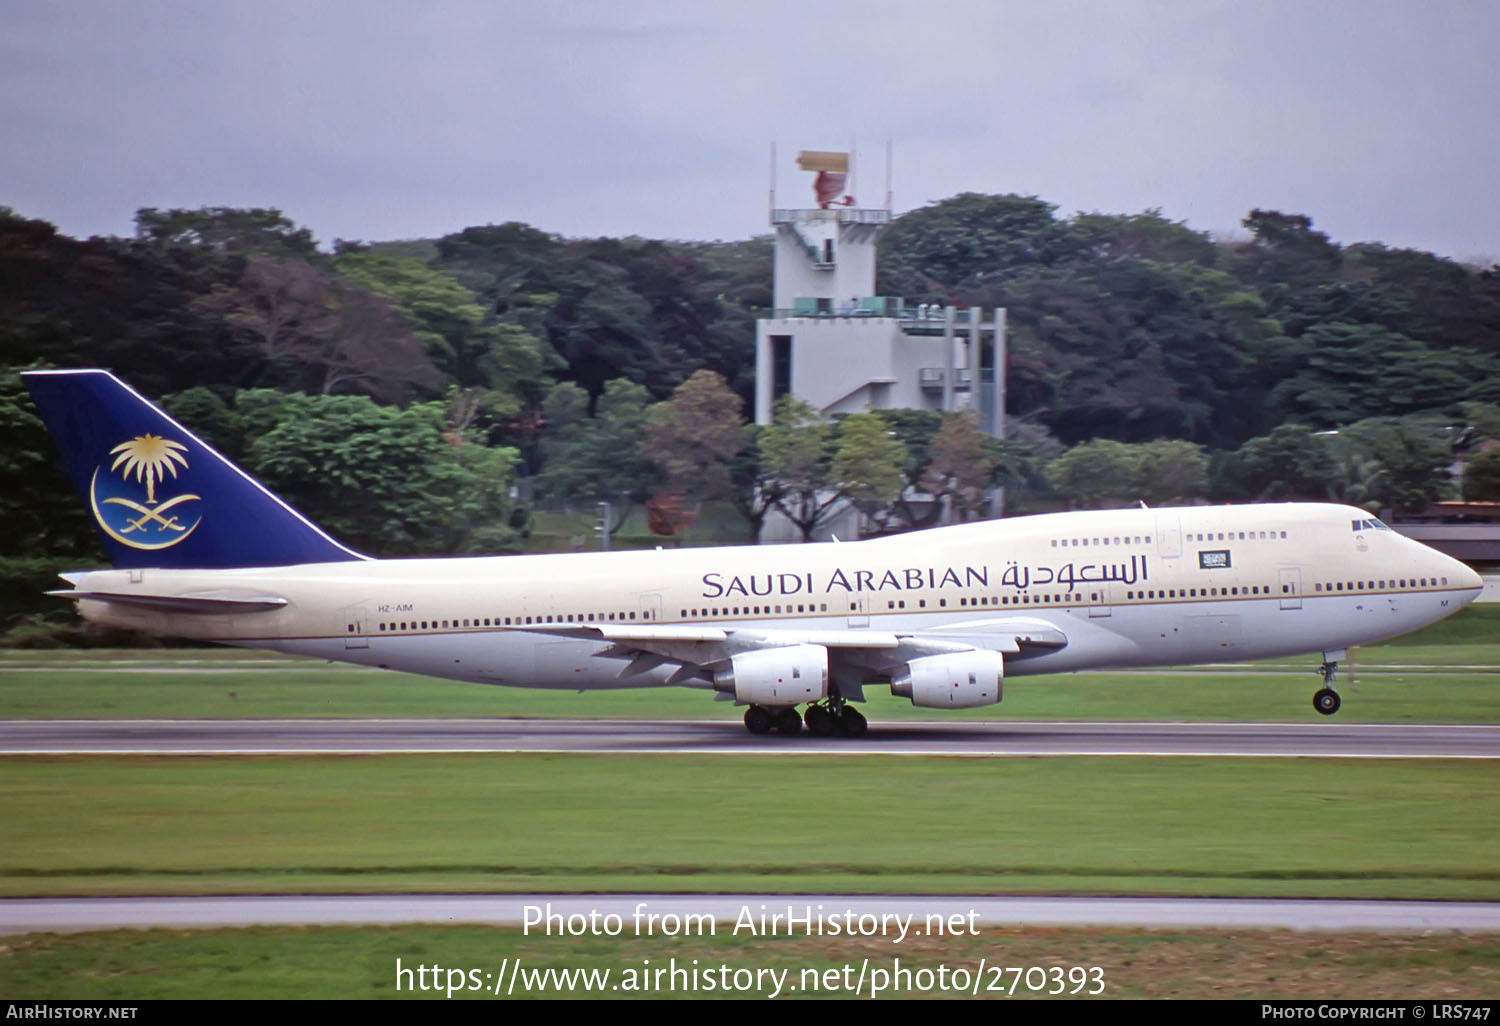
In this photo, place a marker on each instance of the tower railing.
(843, 215)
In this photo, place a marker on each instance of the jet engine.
(774, 677)
(961, 680)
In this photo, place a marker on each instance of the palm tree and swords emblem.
(150, 460)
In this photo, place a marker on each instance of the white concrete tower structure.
(836, 344)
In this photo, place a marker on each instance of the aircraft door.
(353, 622)
(1101, 601)
(859, 611)
(1290, 579)
(1168, 537)
(651, 606)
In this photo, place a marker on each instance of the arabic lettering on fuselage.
(931, 578)
(1070, 574)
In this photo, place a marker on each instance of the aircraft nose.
(1467, 579)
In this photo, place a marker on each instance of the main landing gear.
(825, 720)
(1327, 700)
(760, 720)
(837, 717)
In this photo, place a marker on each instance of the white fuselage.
(1123, 587)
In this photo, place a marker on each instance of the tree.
(1171, 472)
(1144, 236)
(226, 230)
(1132, 350)
(1411, 455)
(962, 466)
(867, 461)
(1100, 473)
(915, 429)
(752, 490)
(324, 334)
(502, 363)
(595, 459)
(1291, 462)
(1286, 249)
(1340, 372)
(795, 452)
(929, 252)
(1107, 473)
(386, 481)
(1482, 477)
(693, 438)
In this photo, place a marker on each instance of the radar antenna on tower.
(833, 175)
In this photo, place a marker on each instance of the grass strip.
(1366, 828)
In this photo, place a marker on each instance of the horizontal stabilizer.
(210, 604)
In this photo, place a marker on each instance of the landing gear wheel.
(853, 723)
(788, 722)
(757, 720)
(1327, 700)
(820, 721)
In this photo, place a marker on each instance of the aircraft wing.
(854, 655)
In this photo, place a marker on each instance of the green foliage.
(1144, 236)
(225, 230)
(752, 492)
(1482, 477)
(796, 453)
(319, 332)
(1104, 473)
(609, 308)
(1171, 472)
(1123, 327)
(939, 247)
(795, 445)
(1132, 349)
(1409, 457)
(867, 461)
(962, 467)
(915, 429)
(1341, 372)
(1097, 473)
(693, 439)
(1291, 462)
(594, 459)
(386, 481)
(467, 347)
(1481, 420)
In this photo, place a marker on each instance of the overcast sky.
(384, 119)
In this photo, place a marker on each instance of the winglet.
(159, 496)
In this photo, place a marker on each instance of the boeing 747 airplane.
(201, 550)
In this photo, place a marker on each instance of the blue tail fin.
(159, 496)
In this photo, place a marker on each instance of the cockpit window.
(1371, 524)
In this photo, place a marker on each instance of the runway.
(30, 915)
(718, 737)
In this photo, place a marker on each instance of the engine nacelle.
(962, 680)
(777, 676)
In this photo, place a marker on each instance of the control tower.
(836, 344)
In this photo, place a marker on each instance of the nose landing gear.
(1327, 700)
